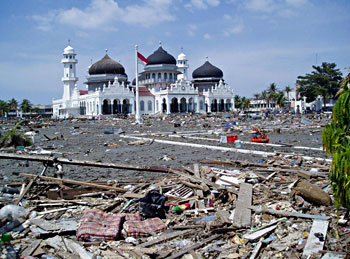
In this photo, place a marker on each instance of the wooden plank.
(242, 216)
(313, 243)
(104, 187)
(283, 213)
(31, 248)
(256, 251)
(165, 237)
(194, 247)
(25, 190)
(76, 248)
(196, 170)
(257, 234)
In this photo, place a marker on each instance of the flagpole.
(137, 116)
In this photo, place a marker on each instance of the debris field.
(172, 187)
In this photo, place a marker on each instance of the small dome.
(181, 56)
(160, 56)
(68, 50)
(207, 70)
(106, 66)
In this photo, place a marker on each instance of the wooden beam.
(165, 237)
(194, 247)
(104, 187)
(52, 160)
(313, 243)
(242, 216)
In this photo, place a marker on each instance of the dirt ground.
(86, 140)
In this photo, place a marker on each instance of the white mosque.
(164, 88)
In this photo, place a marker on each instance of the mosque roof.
(207, 70)
(160, 56)
(106, 66)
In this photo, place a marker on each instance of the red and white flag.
(142, 58)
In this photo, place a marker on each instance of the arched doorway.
(183, 105)
(228, 105)
(126, 106)
(116, 106)
(214, 105)
(174, 105)
(106, 106)
(191, 107)
(164, 105)
(222, 105)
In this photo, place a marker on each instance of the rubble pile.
(186, 187)
(276, 208)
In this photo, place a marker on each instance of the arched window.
(149, 104)
(159, 75)
(66, 56)
(70, 56)
(165, 76)
(142, 106)
(201, 105)
(171, 76)
(70, 66)
(153, 75)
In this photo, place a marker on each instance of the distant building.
(164, 87)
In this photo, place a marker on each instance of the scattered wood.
(165, 237)
(59, 180)
(194, 247)
(316, 238)
(242, 216)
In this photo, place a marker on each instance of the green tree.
(13, 104)
(257, 96)
(288, 90)
(272, 93)
(36, 110)
(26, 105)
(323, 81)
(4, 107)
(238, 102)
(280, 99)
(336, 141)
(245, 103)
(263, 96)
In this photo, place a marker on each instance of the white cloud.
(296, 2)
(207, 36)
(104, 14)
(234, 28)
(192, 29)
(227, 17)
(201, 4)
(261, 5)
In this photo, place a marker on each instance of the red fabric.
(139, 55)
(138, 228)
(231, 139)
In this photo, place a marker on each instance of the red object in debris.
(255, 129)
(261, 140)
(231, 139)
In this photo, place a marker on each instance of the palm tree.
(263, 96)
(26, 105)
(13, 104)
(287, 90)
(257, 96)
(272, 93)
(280, 99)
(245, 103)
(4, 107)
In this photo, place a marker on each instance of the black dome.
(160, 56)
(207, 70)
(106, 66)
(141, 77)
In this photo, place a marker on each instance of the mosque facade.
(164, 88)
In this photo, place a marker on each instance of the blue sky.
(254, 42)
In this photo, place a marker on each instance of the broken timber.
(52, 160)
(105, 187)
(242, 216)
(313, 243)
